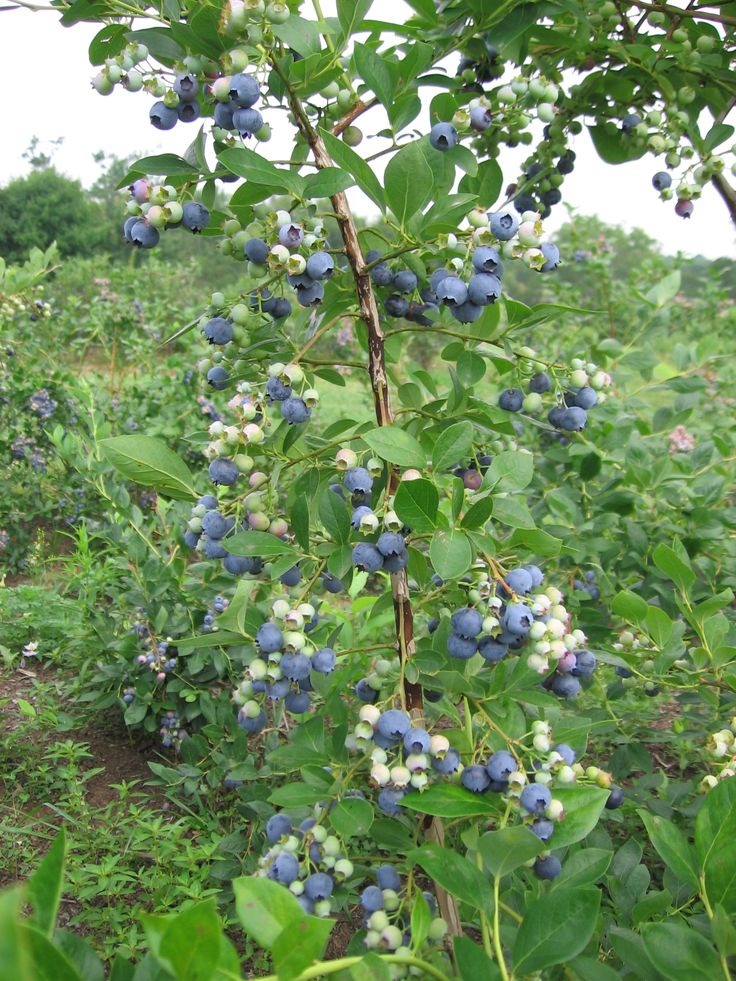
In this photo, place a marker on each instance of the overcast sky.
(118, 124)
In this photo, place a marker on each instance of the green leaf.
(629, 947)
(300, 522)
(375, 72)
(486, 184)
(326, 182)
(631, 607)
(715, 831)
(478, 514)
(352, 817)
(512, 512)
(614, 146)
(584, 867)
(512, 470)
(351, 161)
(472, 961)
(351, 14)
(449, 801)
(251, 165)
(265, 909)
(149, 461)
(164, 164)
(334, 515)
(261, 543)
(556, 928)
(454, 873)
(191, 942)
(680, 953)
(583, 807)
(416, 503)
(508, 848)
(453, 446)
(420, 919)
(450, 553)
(82, 956)
(49, 963)
(299, 945)
(408, 182)
(673, 847)
(14, 955)
(370, 968)
(670, 563)
(44, 887)
(395, 445)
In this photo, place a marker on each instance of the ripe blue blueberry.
(319, 886)
(511, 399)
(405, 281)
(483, 289)
(461, 648)
(547, 868)
(416, 741)
(331, 583)
(382, 275)
(247, 121)
(448, 763)
(269, 638)
(388, 878)
(208, 501)
(475, 779)
(394, 724)
(500, 766)
(162, 117)
(480, 118)
(486, 260)
(535, 798)
(187, 112)
(217, 377)
(358, 514)
(367, 558)
(536, 573)
(310, 296)
(452, 291)
(324, 660)
(218, 330)
(586, 398)
(437, 277)
(396, 306)
(358, 480)
(542, 828)
(365, 692)
(389, 801)
(371, 899)
(551, 256)
(540, 383)
(295, 667)
(212, 548)
(244, 90)
(390, 543)
(223, 116)
(615, 799)
(467, 313)
(143, 235)
(520, 581)
(467, 622)
(277, 390)
(297, 702)
(278, 690)
(238, 565)
(278, 826)
(492, 650)
(630, 122)
(565, 685)
(320, 265)
(585, 664)
(574, 419)
(443, 136)
(280, 308)
(186, 87)
(661, 180)
(295, 410)
(128, 227)
(395, 563)
(256, 250)
(292, 576)
(504, 225)
(291, 236)
(223, 471)
(567, 753)
(285, 868)
(517, 619)
(190, 539)
(214, 524)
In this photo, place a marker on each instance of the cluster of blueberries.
(312, 875)
(171, 732)
(219, 605)
(535, 198)
(389, 552)
(42, 404)
(283, 670)
(235, 98)
(515, 619)
(419, 757)
(207, 529)
(386, 918)
(153, 208)
(306, 274)
(155, 657)
(587, 585)
(25, 448)
(572, 416)
(180, 105)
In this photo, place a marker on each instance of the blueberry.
(661, 180)
(223, 116)
(448, 763)
(551, 255)
(310, 296)
(565, 685)
(190, 539)
(388, 801)
(280, 309)
(277, 826)
(443, 136)
(511, 399)
(467, 313)
(537, 575)
(467, 622)
(585, 664)
(306, 903)
(291, 236)
(239, 565)
(321, 265)
(547, 868)
(278, 690)
(218, 330)
(358, 514)
(574, 419)
(247, 122)
(128, 227)
(269, 638)
(187, 112)
(480, 118)
(252, 725)
(492, 650)
(486, 260)
(256, 250)
(162, 117)
(297, 702)
(186, 87)
(295, 410)
(217, 377)
(358, 479)
(416, 741)
(143, 235)
(405, 281)
(277, 390)
(371, 899)
(520, 581)
(388, 878)
(500, 766)
(295, 667)
(517, 619)
(483, 289)
(382, 275)
(475, 779)
(292, 577)
(452, 291)
(540, 383)
(365, 692)
(504, 225)
(367, 558)
(630, 122)
(535, 798)
(432, 696)
(390, 543)
(324, 660)
(395, 563)
(396, 306)
(331, 583)
(319, 886)
(394, 724)
(461, 648)
(223, 471)
(437, 277)
(566, 163)
(214, 524)
(208, 501)
(615, 799)
(555, 415)
(285, 868)
(542, 828)
(586, 398)
(244, 90)
(567, 753)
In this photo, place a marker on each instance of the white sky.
(118, 124)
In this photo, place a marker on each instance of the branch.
(358, 109)
(700, 14)
(727, 192)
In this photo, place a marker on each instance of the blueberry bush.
(419, 640)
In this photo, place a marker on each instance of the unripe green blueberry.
(243, 462)
(672, 159)
(656, 18)
(330, 91)
(679, 36)
(277, 13)
(255, 33)
(506, 95)
(528, 235)
(437, 928)
(706, 43)
(278, 527)
(221, 89)
(133, 81)
(231, 227)
(478, 218)
(352, 135)
(173, 211)
(240, 314)
(378, 920)
(532, 403)
(263, 135)
(391, 900)
(171, 99)
(519, 86)
(545, 112)
(102, 83)
(686, 95)
(345, 99)
(391, 936)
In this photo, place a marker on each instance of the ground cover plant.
(429, 616)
